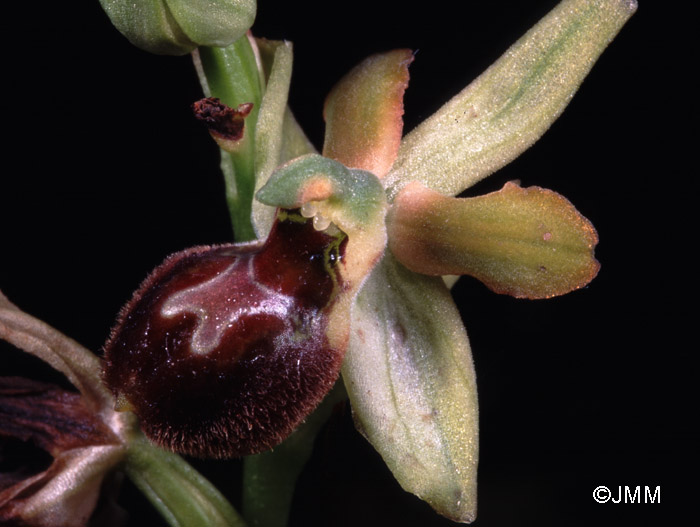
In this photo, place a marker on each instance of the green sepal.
(508, 107)
(409, 375)
(295, 143)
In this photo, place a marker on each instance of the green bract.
(176, 27)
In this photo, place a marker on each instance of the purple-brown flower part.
(224, 350)
(82, 447)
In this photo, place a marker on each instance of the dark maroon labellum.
(223, 350)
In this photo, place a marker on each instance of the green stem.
(232, 75)
(180, 493)
(269, 478)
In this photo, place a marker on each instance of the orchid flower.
(408, 369)
(341, 269)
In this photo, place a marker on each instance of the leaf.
(525, 242)
(507, 108)
(409, 375)
(363, 113)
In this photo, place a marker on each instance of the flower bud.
(176, 27)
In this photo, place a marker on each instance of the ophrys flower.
(408, 367)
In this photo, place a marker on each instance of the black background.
(105, 172)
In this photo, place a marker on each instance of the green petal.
(363, 113)
(512, 103)
(409, 374)
(525, 242)
(82, 368)
(213, 22)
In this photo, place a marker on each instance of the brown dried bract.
(224, 123)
